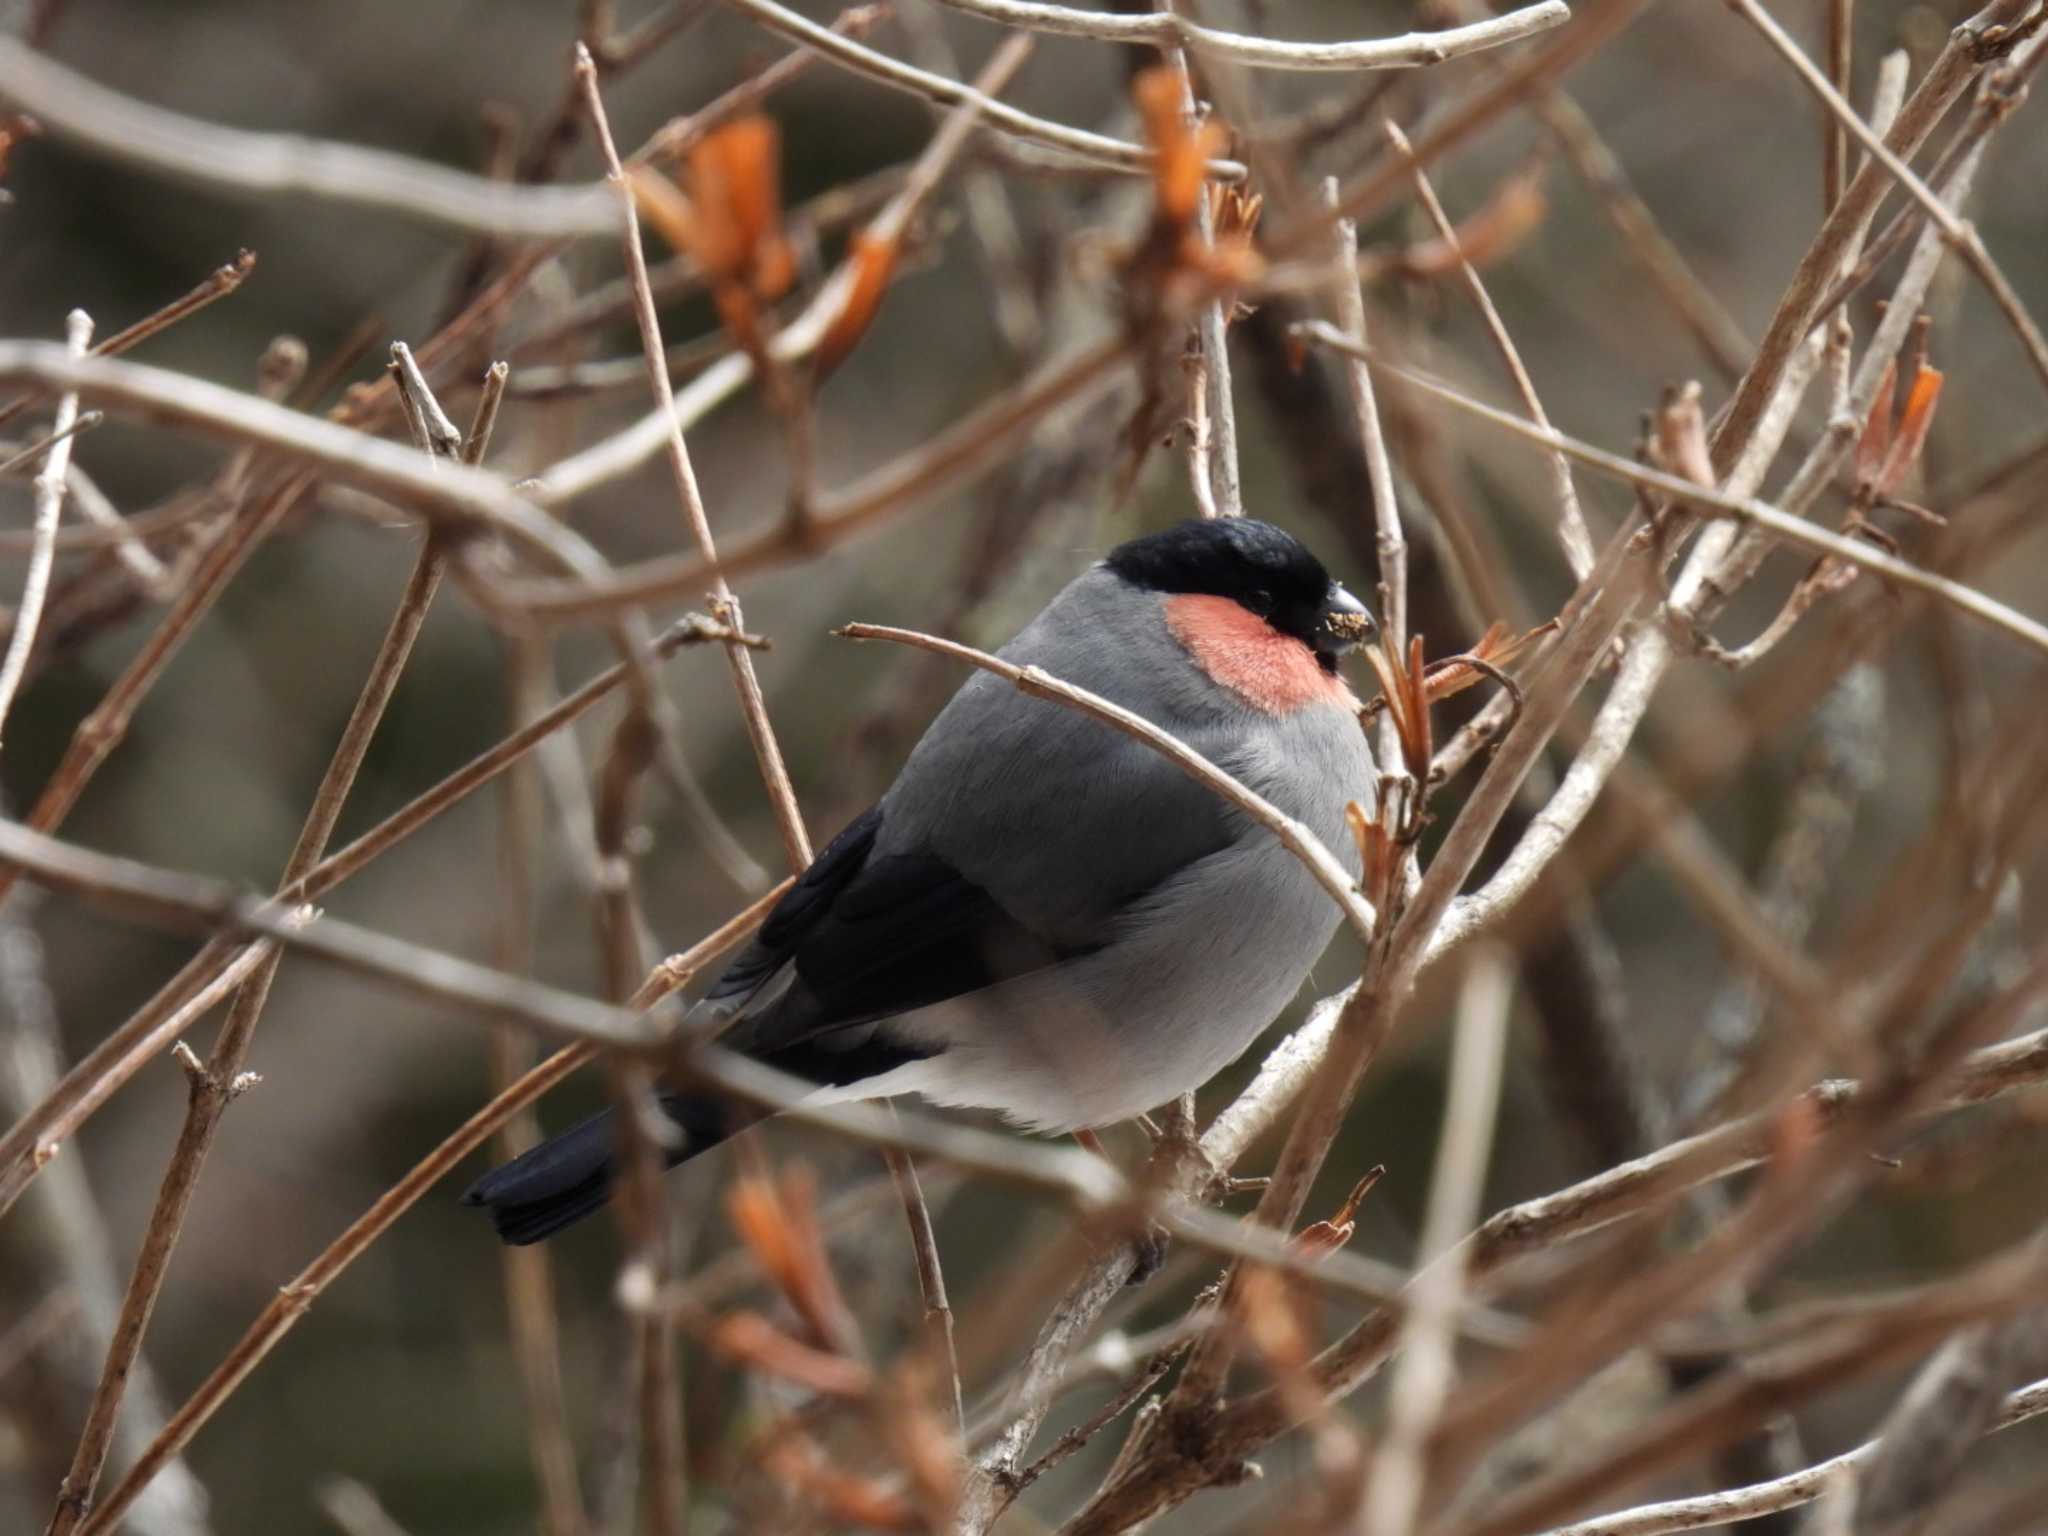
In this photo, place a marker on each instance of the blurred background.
(401, 1377)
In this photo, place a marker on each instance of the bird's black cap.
(1262, 568)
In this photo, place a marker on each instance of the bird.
(1043, 916)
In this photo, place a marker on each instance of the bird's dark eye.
(1260, 601)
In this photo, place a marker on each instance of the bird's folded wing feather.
(1017, 834)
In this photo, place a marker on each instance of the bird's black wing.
(868, 936)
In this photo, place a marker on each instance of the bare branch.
(1167, 29)
(168, 143)
(1742, 509)
(1802, 1487)
(897, 75)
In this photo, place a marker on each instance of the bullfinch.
(1043, 916)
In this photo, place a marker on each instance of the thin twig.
(1962, 235)
(218, 284)
(1572, 532)
(1683, 290)
(296, 1297)
(457, 495)
(969, 447)
(767, 754)
(1772, 520)
(1734, 1505)
(49, 510)
(931, 1278)
(1970, 47)
(1213, 407)
(83, 422)
(1392, 546)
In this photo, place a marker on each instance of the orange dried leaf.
(748, 159)
(1454, 674)
(1488, 235)
(1182, 151)
(846, 1497)
(814, 1292)
(1680, 442)
(780, 1228)
(1234, 213)
(1272, 1321)
(662, 204)
(925, 1448)
(872, 262)
(749, 1339)
(755, 1211)
(1320, 1239)
(730, 223)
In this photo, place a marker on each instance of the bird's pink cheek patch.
(1268, 670)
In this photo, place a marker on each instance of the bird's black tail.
(566, 1177)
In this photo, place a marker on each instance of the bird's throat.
(1272, 672)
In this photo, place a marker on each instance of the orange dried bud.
(1379, 856)
(1922, 400)
(872, 261)
(750, 1339)
(1182, 151)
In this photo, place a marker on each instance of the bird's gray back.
(1062, 818)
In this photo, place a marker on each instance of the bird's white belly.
(1159, 1011)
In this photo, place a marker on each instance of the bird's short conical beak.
(1343, 623)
